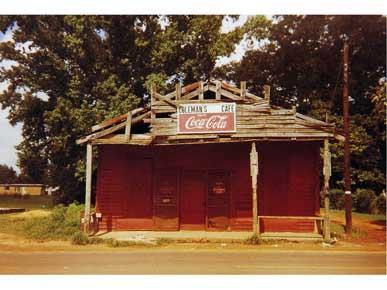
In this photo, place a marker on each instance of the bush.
(336, 198)
(379, 205)
(62, 223)
(79, 238)
(363, 200)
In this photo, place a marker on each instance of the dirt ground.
(372, 230)
(373, 238)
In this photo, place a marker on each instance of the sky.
(11, 135)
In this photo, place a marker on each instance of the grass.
(253, 240)
(60, 223)
(338, 231)
(337, 214)
(26, 201)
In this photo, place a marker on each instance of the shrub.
(62, 223)
(79, 238)
(379, 205)
(336, 198)
(363, 200)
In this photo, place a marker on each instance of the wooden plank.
(266, 89)
(259, 134)
(282, 112)
(291, 217)
(254, 178)
(288, 130)
(217, 90)
(253, 97)
(192, 136)
(263, 112)
(165, 120)
(136, 139)
(189, 88)
(229, 95)
(231, 88)
(243, 90)
(306, 118)
(191, 95)
(89, 156)
(201, 91)
(128, 126)
(164, 99)
(153, 92)
(114, 120)
(112, 129)
(163, 110)
(254, 108)
(178, 91)
(171, 95)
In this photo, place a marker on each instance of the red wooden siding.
(192, 200)
(166, 200)
(168, 187)
(290, 181)
(124, 190)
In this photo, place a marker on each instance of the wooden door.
(165, 200)
(192, 200)
(137, 199)
(218, 200)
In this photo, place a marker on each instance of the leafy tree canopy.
(301, 58)
(71, 72)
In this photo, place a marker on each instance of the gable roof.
(256, 119)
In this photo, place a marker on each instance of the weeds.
(253, 240)
(80, 238)
(61, 224)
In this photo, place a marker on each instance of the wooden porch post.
(254, 177)
(89, 156)
(327, 174)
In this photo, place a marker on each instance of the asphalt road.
(193, 262)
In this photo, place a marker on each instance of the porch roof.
(256, 119)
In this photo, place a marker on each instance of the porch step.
(291, 236)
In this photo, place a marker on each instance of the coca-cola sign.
(206, 118)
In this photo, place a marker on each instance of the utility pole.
(347, 177)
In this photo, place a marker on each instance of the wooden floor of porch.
(200, 236)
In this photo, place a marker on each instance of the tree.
(302, 61)
(7, 174)
(72, 72)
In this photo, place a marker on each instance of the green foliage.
(85, 69)
(379, 205)
(363, 200)
(79, 238)
(336, 197)
(338, 231)
(62, 223)
(7, 174)
(301, 59)
(253, 240)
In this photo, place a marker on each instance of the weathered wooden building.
(211, 156)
